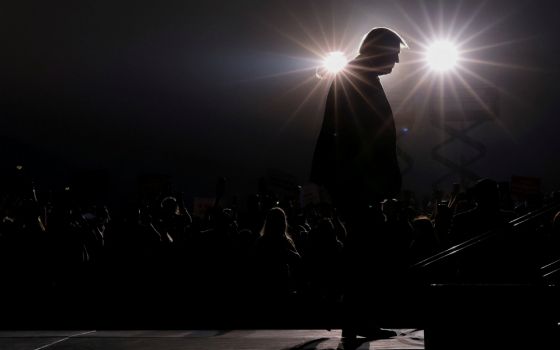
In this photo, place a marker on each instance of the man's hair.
(381, 39)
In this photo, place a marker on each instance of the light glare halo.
(335, 62)
(442, 55)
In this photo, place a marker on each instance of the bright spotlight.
(335, 62)
(442, 55)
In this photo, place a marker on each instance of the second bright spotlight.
(442, 56)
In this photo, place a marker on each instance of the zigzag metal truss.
(462, 168)
(474, 110)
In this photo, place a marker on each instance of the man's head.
(380, 49)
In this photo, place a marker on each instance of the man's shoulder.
(349, 87)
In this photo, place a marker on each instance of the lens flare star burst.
(442, 56)
(335, 62)
(444, 63)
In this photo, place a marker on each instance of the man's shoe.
(349, 333)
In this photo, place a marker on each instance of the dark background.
(199, 89)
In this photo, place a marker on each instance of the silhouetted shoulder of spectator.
(425, 241)
(245, 240)
(172, 221)
(324, 237)
(299, 236)
(396, 221)
(274, 244)
(278, 262)
(272, 247)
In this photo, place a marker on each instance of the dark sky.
(200, 89)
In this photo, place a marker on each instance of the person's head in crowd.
(486, 194)
(390, 208)
(246, 237)
(144, 215)
(169, 206)
(422, 225)
(102, 213)
(225, 221)
(276, 224)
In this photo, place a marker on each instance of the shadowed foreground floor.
(200, 339)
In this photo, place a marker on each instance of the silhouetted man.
(355, 157)
(355, 160)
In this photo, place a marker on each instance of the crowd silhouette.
(67, 259)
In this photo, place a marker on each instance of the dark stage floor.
(198, 339)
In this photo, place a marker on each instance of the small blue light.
(405, 129)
